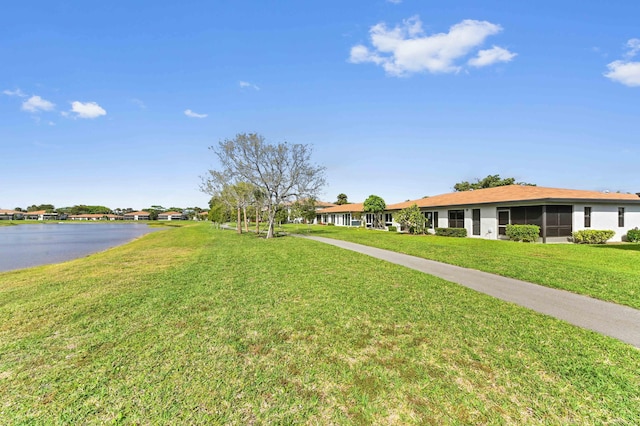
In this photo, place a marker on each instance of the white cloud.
(491, 56)
(16, 92)
(37, 104)
(87, 109)
(246, 84)
(138, 103)
(192, 114)
(634, 47)
(406, 49)
(627, 73)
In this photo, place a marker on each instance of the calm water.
(24, 246)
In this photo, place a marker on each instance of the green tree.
(305, 209)
(342, 199)
(490, 181)
(412, 219)
(375, 205)
(284, 172)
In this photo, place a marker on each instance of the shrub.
(451, 232)
(633, 235)
(592, 236)
(524, 233)
(331, 224)
(392, 229)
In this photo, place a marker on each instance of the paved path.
(610, 319)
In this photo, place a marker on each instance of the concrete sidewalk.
(620, 322)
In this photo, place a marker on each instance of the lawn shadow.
(622, 246)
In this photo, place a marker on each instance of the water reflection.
(24, 246)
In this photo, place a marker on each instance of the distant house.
(485, 213)
(40, 215)
(10, 214)
(171, 216)
(344, 215)
(141, 215)
(94, 216)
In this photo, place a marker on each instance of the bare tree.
(283, 172)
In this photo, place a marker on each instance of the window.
(456, 218)
(587, 217)
(621, 217)
(476, 222)
(388, 219)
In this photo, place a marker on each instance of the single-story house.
(41, 215)
(485, 213)
(170, 216)
(141, 215)
(93, 216)
(10, 214)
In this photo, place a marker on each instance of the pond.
(24, 246)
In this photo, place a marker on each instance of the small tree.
(284, 172)
(412, 219)
(305, 209)
(375, 205)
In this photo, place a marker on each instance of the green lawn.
(608, 272)
(199, 326)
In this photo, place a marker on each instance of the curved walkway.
(620, 322)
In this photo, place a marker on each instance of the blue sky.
(116, 103)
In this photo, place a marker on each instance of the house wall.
(605, 216)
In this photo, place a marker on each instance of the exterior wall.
(605, 216)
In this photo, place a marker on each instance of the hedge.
(524, 233)
(592, 236)
(451, 232)
(633, 236)
(392, 229)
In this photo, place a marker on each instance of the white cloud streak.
(36, 104)
(246, 84)
(634, 47)
(87, 110)
(491, 56)
(16, 92)
(406, 49)
(192, 114)
(626, 72)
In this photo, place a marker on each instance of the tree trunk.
(257, 221)
(246, 221)
(272, 220)
(239, 223)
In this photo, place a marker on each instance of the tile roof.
(140, 213)
(516, 193)
(170, 213)
(344, 208)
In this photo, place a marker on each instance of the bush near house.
(592, 236)
(451, 232)
(392, 229)
(524, 233)
(633, 236)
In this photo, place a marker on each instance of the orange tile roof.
(344, 208)
(515, 193)
(169, 213)
(2, 211)
(140, 213)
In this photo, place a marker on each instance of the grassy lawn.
(200, 326)
(608, 272)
